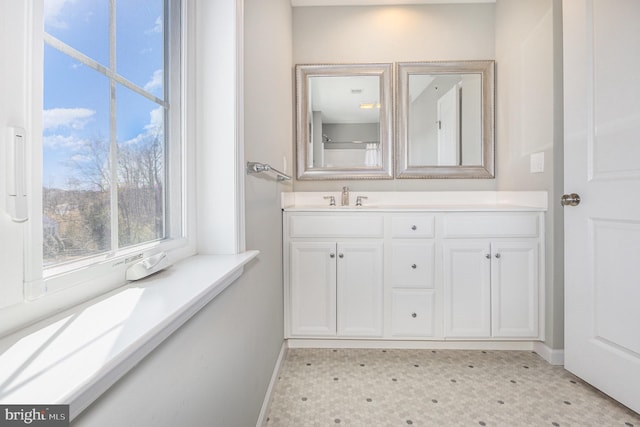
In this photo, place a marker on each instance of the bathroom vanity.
(414, 266)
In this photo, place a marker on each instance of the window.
(202, 110)
(111, 137)
(112, 186)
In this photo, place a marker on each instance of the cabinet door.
(467, 288)
(313, 288)
(514, 288)
(360, 289)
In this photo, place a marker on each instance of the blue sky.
(76, 98)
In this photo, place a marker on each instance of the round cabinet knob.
(414, 227)
(497, 255)
(488, 256)
(341, 256)
(414, 266)
(414, 315)
(332, 255)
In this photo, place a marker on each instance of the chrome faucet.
(345, 196)
(332, 200)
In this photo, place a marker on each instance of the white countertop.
(434, 201)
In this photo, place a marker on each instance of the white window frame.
(103, 272)
(212, 80)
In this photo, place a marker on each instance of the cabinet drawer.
(336, 226)
(412, 313)
(494, 225)
(419, 226)
(412, 264)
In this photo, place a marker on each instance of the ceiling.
(339, 98)
(379, 2)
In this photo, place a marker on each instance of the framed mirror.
(344, 121)
(445, 116)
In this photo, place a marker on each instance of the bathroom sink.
(333, 208)
(415, 201)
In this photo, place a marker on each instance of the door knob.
(570, 200)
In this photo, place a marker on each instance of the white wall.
(529, 120)
(342, 34)
(214, 371)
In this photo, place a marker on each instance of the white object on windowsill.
(148, 266)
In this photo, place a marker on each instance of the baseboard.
(411, 344)
(554, 357)
(262, 418)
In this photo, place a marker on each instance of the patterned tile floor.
(365, 387)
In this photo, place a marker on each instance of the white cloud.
(74, 118)
(155, 82)
(157, 27)
(153, 129)
(63, 141)
(82, 158)
(156, 119)
(52, 12)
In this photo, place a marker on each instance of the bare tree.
(79, 218)
(90, 168)
(140, 190)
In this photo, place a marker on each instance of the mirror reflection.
(344, 121)
(445, 126)
(446, 120)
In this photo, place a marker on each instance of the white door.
(602, 165)
(313, 288)
(448, 110)
(514, 288)
(360, 289)
(467, 288)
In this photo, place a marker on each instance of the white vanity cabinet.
(335, 275)
(491, 271)
(459, 272)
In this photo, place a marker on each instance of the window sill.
(76, 356)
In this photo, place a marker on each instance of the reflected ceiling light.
(370, 106)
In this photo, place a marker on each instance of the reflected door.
(448, 108)
(602, 165)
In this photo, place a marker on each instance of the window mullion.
(113, 141)
(113, 168)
